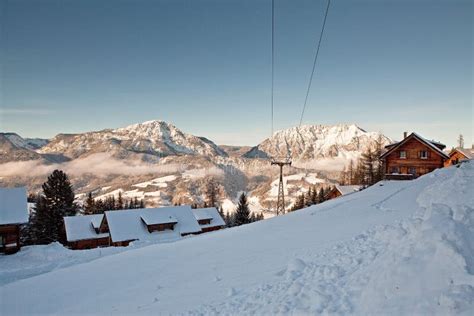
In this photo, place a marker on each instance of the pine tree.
(309, 194)
(89, 205)
(135, 203)
(100, 207)
(119, 205)
(321, 195)
(314, 196)
(242, 214)
(142, 204)
(211, 193)
(56, 202)
(350, 171)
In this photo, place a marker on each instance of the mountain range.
(157, 161)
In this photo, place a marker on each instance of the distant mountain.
(15, 148)
(311, 142)
(156, 138)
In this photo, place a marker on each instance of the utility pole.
(281, 193)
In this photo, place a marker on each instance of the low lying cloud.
(327, 164)
(98, 164)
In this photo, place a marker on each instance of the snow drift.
(398, 247)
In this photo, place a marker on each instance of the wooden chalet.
(13, 213)
(458, 155)
(412, 157)
(209, 219)
(86, 232)
(340, 190)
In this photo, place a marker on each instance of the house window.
(403, 154)
(412, 170)
(423, 154)
(394, 170)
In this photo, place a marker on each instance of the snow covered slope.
(398, 247)
(317, 141)
(153, 137)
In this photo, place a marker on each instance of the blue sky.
(390, 66)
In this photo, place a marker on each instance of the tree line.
(368, 169)
(312, 197)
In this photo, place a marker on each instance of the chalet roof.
(347, 189)
(467, 152)
(436, 146)
(13, 206)
(82, 227)
(153, 218)
(127, 225)
(209, 213)
(97, 220)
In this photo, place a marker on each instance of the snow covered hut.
(209, 219)
(83, 232)
(157, 224)
(339, 190)
(13, 213)
(458, 155)
(412, 157)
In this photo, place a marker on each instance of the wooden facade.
(89, 243)
(458, 155)
(334, 193)
(211, 229)
(9, 238)
(160, 227)
(412, 157)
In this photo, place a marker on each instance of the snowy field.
(398, 247)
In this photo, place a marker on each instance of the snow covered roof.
(153, 218)
(209, 213)
(436, 146)
(13, 206)
(127, 225)
(96, 220)
(82, 227)
(467, 152)
(346, 189)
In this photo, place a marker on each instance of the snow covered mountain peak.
(157, 138)
(317, 141)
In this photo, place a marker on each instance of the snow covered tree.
(56, 202)
(242, 214)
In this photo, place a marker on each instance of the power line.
(314, 63)
(273, 55)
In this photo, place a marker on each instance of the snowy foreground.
(399, 247)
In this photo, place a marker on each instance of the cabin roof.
(436, 146)
(347, 189)
(13, 206)
(126, 225)
(209, 213)
(467, 152)
(154, 218)
(82, 227)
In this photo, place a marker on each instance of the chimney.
(405, 135)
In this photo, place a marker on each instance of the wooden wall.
(454, 159)
(11, 236)
(412, 148)
(89, 243)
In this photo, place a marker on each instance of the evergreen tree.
(321, 195)
(350, 171)
(89, 205)
(242, 214)
(309, 194)
(211, 193)
(135, 203)
(119, 201)
(100, 207)
(56, 202)
(314, 196)
(142, 204)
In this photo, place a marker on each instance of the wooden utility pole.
(281, 192)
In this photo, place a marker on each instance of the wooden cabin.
(458, 155)
(340, 190)
(13, 213)
(84, 232)
(209, 219)
(412, 157)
